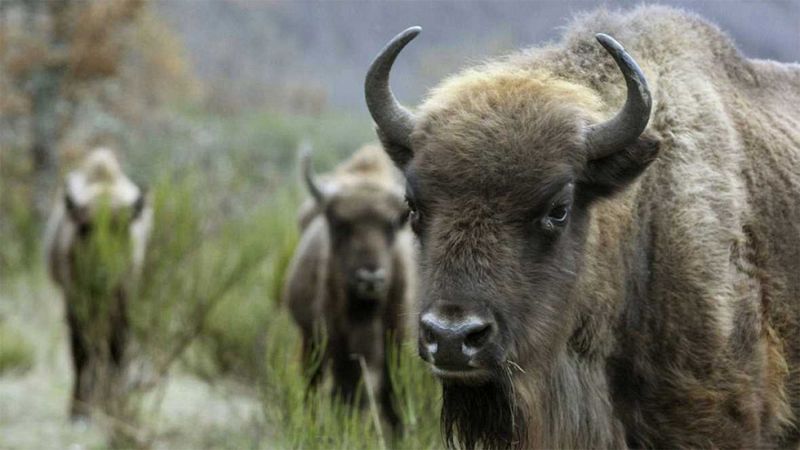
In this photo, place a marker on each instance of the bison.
(349, 283)
(96, 290)
(609, 238)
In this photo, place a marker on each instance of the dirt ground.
(33, 407)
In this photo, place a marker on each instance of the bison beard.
(484, 415)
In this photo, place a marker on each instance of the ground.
(33, 405)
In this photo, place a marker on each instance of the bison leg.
(346, 376)
(79, 408)
(387, 401)
(118, 340)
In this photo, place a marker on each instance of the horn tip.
(304, 149)
(608, 42)
(408, 34)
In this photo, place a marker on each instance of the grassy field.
(207, 321)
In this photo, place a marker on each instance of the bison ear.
(400, 154)
(610, 174)
(75, 212)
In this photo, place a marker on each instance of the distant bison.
(349, 282)
(592, 282)
(97, 195)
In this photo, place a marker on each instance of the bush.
(196, 261)
(233, 339)
(20, 230)
(16, 354)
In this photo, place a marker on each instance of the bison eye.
(413, 215)
(403, 218)
(557, 217)
(558, 214)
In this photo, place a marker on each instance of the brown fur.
(360, 223)
(98, 179)
(666, 312)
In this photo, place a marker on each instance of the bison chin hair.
(485, 415)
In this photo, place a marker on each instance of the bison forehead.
(119, 192)
(499, 130)
(514, 182)
(367, 201)
(100, 178)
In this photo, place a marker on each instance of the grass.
(18, 222)
(317, 420)
(16, 354)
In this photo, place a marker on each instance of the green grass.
(317, 420)
(20, 231)
(16, 354)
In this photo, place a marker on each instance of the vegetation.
(209, 302)
(16, 353)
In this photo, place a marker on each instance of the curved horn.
(623, 129)
(394, 121)
(308, 173)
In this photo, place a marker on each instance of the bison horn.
(308, 173)
(624, 128)
(393, 120)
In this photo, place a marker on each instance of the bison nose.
(452, 344)
(370, 281)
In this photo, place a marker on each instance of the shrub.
(16, 353)
(20, 230)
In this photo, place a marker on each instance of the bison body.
(595, 280)
(95, 294)
(349, 283)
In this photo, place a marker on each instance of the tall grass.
(315, 419)
(19, 228)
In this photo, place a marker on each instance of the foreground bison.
(349, 282)
(592, 281)
(97, 195)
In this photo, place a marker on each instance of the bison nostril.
(477, 338)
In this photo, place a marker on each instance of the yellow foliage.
(97, 40)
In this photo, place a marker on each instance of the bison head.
(503, 163)
(363, 218)
(117, 216)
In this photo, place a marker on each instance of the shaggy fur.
(99, 179)
(666, 312)
(360, 224)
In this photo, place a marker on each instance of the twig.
(373, 407)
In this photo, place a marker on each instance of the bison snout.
(454, 346)
(369, 282)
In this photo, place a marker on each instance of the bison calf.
(97, 199)
(349, 281)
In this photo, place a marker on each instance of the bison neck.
(567, 407)
(571, 405)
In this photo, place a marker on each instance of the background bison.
(349, 283)
(99, 206)
(583, 288)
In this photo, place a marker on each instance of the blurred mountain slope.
(303, 55)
